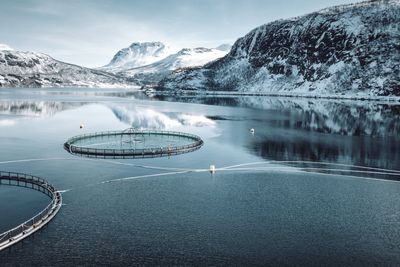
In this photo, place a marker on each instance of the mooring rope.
(308, 162)
(93, 160)
(236, 168)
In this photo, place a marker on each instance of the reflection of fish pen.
(133, 143)
(32, 225)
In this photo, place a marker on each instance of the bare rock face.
(343, 50)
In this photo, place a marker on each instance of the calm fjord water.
(256, 216)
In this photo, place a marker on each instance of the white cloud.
(5, 47)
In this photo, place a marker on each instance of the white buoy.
(212, 168)
(81, 126)
(252, 131)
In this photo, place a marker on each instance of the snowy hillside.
(344, 50)
(136, 55)
(183, 59)
(28, 69)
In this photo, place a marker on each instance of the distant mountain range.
(134, 66)
(28, 69)
(185, 58)
(344, 50)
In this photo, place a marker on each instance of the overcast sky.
(90, 32)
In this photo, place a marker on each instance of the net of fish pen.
(132, 143)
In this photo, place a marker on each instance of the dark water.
(274, 216)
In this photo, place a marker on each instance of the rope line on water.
(309, 169)
(273, 168)
(234, 168)
(186, 169)
(304, 170)
(308, 162)
(94, 160)
(141, 176)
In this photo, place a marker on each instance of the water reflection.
(35, 108)
(381, 153)
(344, 117)
(349, 132)
(148, 118)
(346, 132)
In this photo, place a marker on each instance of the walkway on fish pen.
(27, 228)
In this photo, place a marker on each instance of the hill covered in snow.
(137, 55)
(187, 57)
(343, 50)
(29, 69)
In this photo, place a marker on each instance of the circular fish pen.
(32, 225)
(132, 143)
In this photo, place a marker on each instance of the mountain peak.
(138, 54)
(147, 44)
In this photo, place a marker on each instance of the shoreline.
(271, 94)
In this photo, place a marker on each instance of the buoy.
(252, 131)
(212, 168)
(81, 126)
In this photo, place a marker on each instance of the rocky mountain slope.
(187, 57)
(344, 50)
(28, 69)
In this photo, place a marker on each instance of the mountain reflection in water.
(338, 131)
(287, 129)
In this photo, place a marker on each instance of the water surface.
(251, 216)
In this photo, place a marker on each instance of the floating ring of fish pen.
(32, 225)
(133, 143)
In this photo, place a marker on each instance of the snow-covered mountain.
(28, 69)
(137, 55)
(343, 50)
(187, 57)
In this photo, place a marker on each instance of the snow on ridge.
(185, 58)
(29, 69)
(158, 57)
(138, 54)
